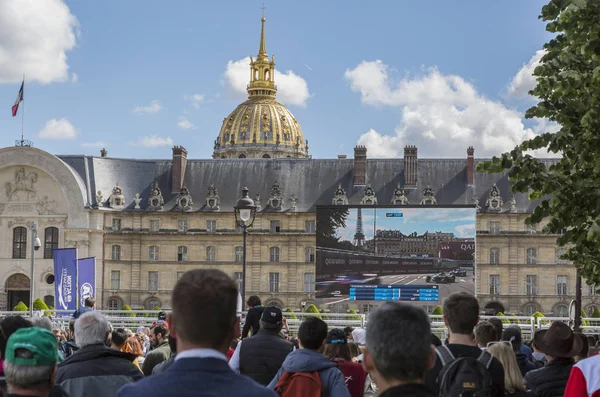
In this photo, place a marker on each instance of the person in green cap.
(30, 362)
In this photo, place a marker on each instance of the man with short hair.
(96, 369)
(253, 316)
(461, 315)
(69, 347)
(162, 367)
(498, 325)
(513, 335)
(261, 356)
(30, 363)
(484, 334)
(398, 360)
(88, 306)
(159, 339)
(312, 335)
(204, 322)
(118, 338)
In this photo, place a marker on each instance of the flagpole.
(23, 113)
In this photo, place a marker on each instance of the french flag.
(15, 107)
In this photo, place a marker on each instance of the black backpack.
(464, 376)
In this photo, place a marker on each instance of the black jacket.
(524, 364)
(68, 348)
(262, 355)
(410, 390)
(97, 371)
(253, 320)
(551, 380)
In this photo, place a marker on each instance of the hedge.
(39, 304)
(438, 311)
(290, 314)
(21, 307)
(312, 309)
(128, 314)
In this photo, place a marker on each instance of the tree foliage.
(328, 222)
(21, 307)
(568, 89)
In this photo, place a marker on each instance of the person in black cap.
(560, 345)
(253, 317)
(261, 356)
(512, 334)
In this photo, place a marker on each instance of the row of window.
(211, 254)
(531, 287)
(211, 225)
(531, 256)
(20, 242)
(309, 280)
(494, 228)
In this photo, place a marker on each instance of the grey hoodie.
(305, 360)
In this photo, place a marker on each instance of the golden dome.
(261, 127)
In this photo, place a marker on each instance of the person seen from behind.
(306, 370)
(261, 356)
(159, 339)
(95, 369)
(399, 350)
(69, 347)
(498, 326)
(8, 326)
(118, 339)
(162, 367)
(560, 345)
(461, 315)
(30, 362)
(584, 379)
(539, 358)
(132, 345)
(204, 322)
(88, 306)
(357, 379)
(255, 310)
(513, 336)
(485, 333)
(513, 379)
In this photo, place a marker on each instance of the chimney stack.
(470, 166)
(410, 166)
(342, 156)
(178, 168)
(103, 152)
(360, 165)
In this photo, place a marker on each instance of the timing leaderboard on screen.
(394, 292)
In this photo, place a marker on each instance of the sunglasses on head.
(505, 342)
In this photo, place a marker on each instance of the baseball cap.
(272, 315)
(513, 335)
(336, 336)
(40, 342)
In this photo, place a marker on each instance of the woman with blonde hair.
(513, 380)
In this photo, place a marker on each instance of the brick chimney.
(470, 166)
(410, 166)
(178, 169)
(360, 165)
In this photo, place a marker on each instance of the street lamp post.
(35, 245)
(245, 212)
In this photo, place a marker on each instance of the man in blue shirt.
(88, 306)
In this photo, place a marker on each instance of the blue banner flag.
(86, 279)
(65, 275)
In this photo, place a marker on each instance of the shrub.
(515, 321)
(352, 311)
(157, 308)
(585, 323)
(290, 314)
(39, 304)
(127, 314)
(312, 309)
(500, 314)
(21, 307)
(437, 311)
(51, 312)
(322, 311)
(596, 313)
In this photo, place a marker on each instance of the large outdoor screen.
(416, 254)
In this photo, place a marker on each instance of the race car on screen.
(441, 278)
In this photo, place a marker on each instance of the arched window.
(153, 253)
(182, 253)
(561, 311)
(274, 254)
(114, 304)
(255, 74)
(211, 254)
(267, 74)
(116, 253)
(242, 156)
(19, 242)
(50, 242)
(152, 303)
(266, 156)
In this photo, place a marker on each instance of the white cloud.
(35, 37)
(58, 129)
(74, 78)
(154, 107)
(98, 144)
(465, 231)
(185, 124)
(152, 141)
(441, 114)
(195, 99)
(524, 81)
(291, 88)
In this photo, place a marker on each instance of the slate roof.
(312, 181)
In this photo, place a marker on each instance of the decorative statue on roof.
(369, 197)
(275, 199)
(428, 196)
(293, 203)
(513, 204)
(257, 203)
(212, 201)
(494, 201)
(184, 200)
(476, 202)
(137, 201)
(399, 198)
(99, 199)
(339, 197)
(156, 200)
(116, 199)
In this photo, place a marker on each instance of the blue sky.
(139, 76)
(460, 221)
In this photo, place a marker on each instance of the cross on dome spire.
(262, 70)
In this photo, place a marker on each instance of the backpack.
(464, 376)
(299, 384)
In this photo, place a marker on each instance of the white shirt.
(201, 353)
